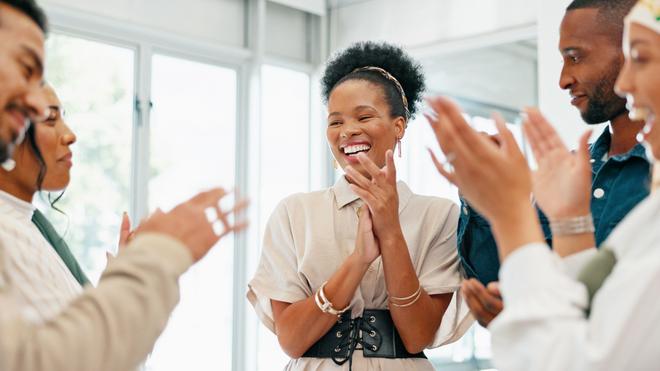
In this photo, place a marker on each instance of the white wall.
(416, 23)
(503, 75)
(286, 31)
(317, 7)
(216, 21)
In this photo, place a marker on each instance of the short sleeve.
(440, 274)
(277, 276)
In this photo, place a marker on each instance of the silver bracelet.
(325, 305)
(571, 226)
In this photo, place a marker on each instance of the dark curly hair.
(386, 56)
(30, 138)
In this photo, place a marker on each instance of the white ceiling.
(341, 3)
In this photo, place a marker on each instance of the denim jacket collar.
(601, 147)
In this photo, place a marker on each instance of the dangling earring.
(9, 165)
(398, 145)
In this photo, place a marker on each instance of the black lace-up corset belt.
(374, 333)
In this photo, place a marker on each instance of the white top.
(43, 283)
(310, 235)
(543, 325)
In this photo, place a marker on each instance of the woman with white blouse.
(607, 315)
(365, 274)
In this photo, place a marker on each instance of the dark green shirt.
(60, 246)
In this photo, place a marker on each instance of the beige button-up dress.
(310, 235)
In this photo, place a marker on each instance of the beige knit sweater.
(111, 327)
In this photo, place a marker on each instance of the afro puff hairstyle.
(386, 56)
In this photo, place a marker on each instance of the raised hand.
(125, 235)
(188, 222)
(494, 178)
(379, 193)
(125, 232)
(562, 182)
(491, 176)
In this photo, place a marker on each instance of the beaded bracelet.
(571, 226)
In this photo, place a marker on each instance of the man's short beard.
(603, 104)
(602, 109)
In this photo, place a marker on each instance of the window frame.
(247, 62)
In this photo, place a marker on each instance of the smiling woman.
(335, 260)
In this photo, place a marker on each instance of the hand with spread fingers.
(379, 193)
(562, 181)
(495, 179)
(490, 176)
(485, 302)
(189, 223)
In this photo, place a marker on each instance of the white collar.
(344, 195)
(13, 207)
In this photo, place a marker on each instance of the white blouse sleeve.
(544, 327)
(543, 324)
(277, 276)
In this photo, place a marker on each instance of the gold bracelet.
(419, 295)
(419, 288)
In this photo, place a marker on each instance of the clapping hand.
(492, 177)
(562, 181)
(379, 193)
(366, 245)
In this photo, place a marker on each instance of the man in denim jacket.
(590, 44)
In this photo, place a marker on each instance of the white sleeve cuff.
(525, 268)
(534, 274)
(574, 263)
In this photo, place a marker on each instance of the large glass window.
(193, 125)
(284, 165)
(95, 84)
